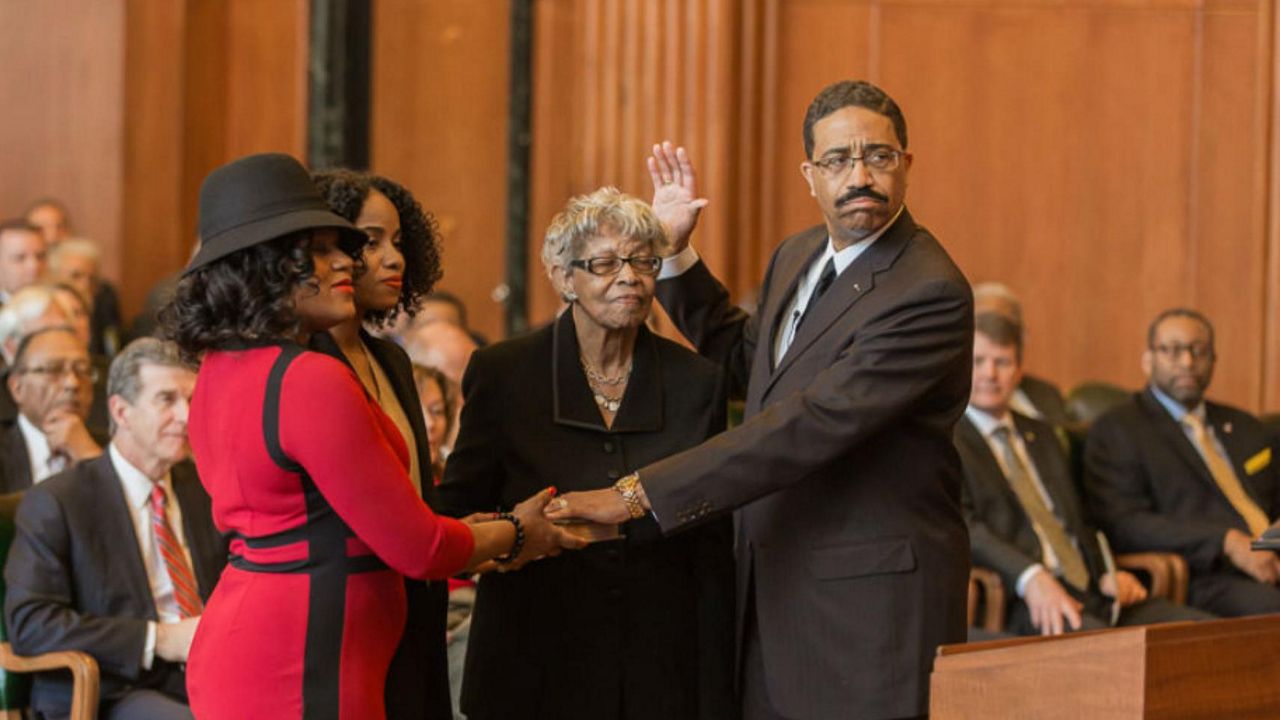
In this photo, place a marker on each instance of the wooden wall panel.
(1106, 158)
(61, 131)
(439, 126)
(156, 239)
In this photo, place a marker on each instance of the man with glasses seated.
(51, 379)
(1170, 471)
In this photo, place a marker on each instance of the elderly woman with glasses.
(637, 626)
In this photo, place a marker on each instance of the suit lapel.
(17, 460)
(117, 522)
(1237, 451)
(203, 541)
(1175, 436)
(990, 466)
(855, 283)
(810, 248)
(1039, 450)
(572, 401)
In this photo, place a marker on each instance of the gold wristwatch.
(629, 488)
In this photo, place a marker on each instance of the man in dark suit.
(51, 381)
(853, 552)
(1026, 519)
(1170, 471)
(116, 556)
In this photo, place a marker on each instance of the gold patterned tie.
(1225, 477)
(1070, 561)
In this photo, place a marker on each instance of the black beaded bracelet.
(516, 546)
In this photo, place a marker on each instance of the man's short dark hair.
(1181, 312)
(852, 93)
(999, 329)
(19, 224)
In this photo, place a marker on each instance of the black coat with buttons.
(635, 628)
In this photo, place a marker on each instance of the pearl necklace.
(596, 378)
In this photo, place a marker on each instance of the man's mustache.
(857, 193)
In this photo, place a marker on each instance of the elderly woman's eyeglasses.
(58, 370)
(877, 157)
(605, 266)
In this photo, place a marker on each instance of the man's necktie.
(1070, 561)
(1226, 479)
(57, 462)
(827, 277)
(185, 591)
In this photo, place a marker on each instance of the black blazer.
(15, 463)
(418, 679)
(1047, 398)
(844, 469)
(648, 618)
(1000, 531)
(1150, 490)
(75, 579)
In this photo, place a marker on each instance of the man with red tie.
(115, 556)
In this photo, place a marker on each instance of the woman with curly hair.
(401, 263)
(305, 618)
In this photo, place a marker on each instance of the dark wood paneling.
(1106, 158)
(439, 124)
(156, 238)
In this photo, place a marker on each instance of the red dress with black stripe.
(310, 480)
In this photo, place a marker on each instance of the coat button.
(608, 446)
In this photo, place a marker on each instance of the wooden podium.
(1218, 669)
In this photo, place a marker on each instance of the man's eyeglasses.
(83, 370)
(605, 266)
(876, 157)
(1173, 351)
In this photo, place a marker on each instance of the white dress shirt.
(38, 450)
(137, 495)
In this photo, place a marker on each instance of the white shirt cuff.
(149, 649)
(678, 264)
(1025, 577)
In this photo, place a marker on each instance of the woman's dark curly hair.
(346, 191)
(242, 299)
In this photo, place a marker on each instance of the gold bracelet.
(629, 488)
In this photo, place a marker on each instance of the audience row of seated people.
(1163, 471)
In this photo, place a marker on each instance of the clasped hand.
(542, 537)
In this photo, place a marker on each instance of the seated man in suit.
(1025, 518)
(116, 556)
(1170, 471)
(51, 380)
(1034, 397)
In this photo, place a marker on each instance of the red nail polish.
(553, 490)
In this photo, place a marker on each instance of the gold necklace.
(600, 377)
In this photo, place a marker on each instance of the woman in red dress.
(307, 476)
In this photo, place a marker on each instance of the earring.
(571, 297)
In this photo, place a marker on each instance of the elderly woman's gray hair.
(605, 210)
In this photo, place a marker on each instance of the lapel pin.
(1031, 436)
(857, 287)
(1226, 427)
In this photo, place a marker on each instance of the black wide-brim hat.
(256, 199)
